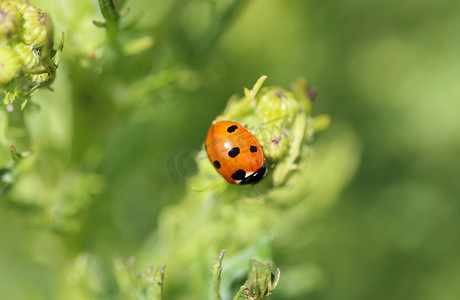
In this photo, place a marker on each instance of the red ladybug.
(235, 153)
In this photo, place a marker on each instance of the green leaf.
(151, 283)
(216, 272)
(287, 164)
(261, 282)
(99, 24)
(14, 153)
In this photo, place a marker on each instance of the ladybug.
(235, 153)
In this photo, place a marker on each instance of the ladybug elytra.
(235, 153)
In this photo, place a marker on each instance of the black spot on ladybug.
(234, 152)
(232, 128)
(239, 175)
(253, 149)
(216, 164)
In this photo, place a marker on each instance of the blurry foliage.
(372, 213)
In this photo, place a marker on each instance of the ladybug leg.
(246, 126)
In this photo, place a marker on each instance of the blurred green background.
(387, 73)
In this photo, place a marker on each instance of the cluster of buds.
(27, 58)
(281, 121)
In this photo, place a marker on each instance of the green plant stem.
(17, 129)
(112, 18)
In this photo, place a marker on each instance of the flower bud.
(10, 20)
(9, 64)
(275, 112)
(28, 57)
(36, 26)
(274, 104)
